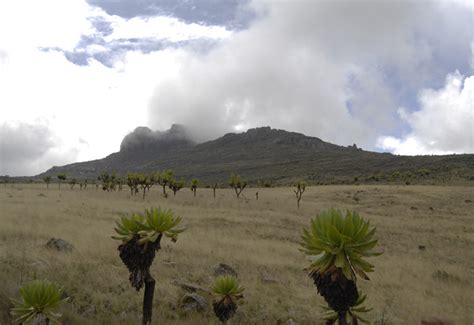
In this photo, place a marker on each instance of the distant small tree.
(72, 182)
(194, 185)
(120, 182)
(47, 180)
(133, 183)
(256, 196)
(299, 190)
(109, 181)
(237, 184)
(175, 185)
(163, 179)
(61, 178)
(214, 189)
(146, 182)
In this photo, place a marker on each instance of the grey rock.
(266, 278)
(193, 301)
(59, 245)
(224, 269)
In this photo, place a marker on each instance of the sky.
(77, 76)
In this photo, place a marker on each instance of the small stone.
(224, 269)
(59, 245)
(266, 278)
(468, 201)
(421, 247)
(413, 208)
(193, 301)
(188, 287)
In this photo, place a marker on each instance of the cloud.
(233, 14)
(26, 148)
(444, 123)
(90, 106)
(337, 70)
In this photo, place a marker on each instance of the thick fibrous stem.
(224, 309)
(148, 299)
(339, 292)
(341, 316)
(138, 259)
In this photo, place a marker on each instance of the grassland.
(427, 269)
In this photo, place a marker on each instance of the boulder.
(193, 301)
(59, 245)
(224, 269)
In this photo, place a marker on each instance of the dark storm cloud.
(234, 14)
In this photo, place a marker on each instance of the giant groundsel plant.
(337, 245)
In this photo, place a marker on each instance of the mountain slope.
(267, 154)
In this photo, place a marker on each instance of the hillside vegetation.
(265, 156)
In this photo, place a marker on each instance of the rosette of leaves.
(337, 245)
(40, 299)
(141, 237)
(227, 291)
(355, 313)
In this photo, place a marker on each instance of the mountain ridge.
(263, 153)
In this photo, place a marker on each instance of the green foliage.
(38, 298)
(354, 313)
(109, 181)
(237, 184)
(300, 187)
(175, 185)
(133, 181)
(149, 227)
(47, 179)
(62, 177)
(194, 183)
(227, 286)
(334, 240)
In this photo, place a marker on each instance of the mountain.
(271, 155)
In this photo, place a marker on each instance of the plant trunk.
(148, 299)
(214, 189)
(164, 190)
(341, 316)
(194, 191)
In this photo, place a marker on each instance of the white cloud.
(290, 70)
(79, 104)
(162, 27)
(443, 124)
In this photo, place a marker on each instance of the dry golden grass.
(260, 239)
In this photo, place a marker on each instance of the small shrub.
(227, 291)
(40, 299)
